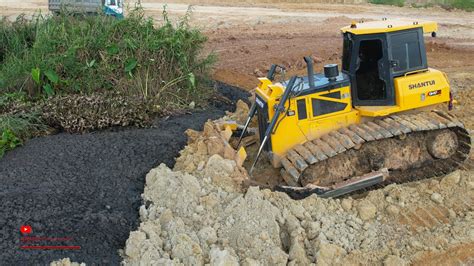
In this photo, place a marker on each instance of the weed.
(8, 141)
(16, 128)
(467, 5)
(71, 54)
(388, 2)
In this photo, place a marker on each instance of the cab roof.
(384, 26)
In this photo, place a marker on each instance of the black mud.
(86, 187)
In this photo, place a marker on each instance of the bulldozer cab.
(374, 53)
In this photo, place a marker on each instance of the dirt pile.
(198, 214)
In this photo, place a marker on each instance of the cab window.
(407, 51)
(346, 52)
(301, 106)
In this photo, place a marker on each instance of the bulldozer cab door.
(366, 61)
(373, 61)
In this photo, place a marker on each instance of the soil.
(428, 222)
(87, 187)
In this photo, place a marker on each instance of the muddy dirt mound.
(199, 215)
(85, 187)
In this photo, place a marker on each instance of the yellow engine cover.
(299, 125)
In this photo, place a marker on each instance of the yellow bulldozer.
(372, 123)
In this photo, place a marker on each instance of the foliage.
(70, 54)
(388, 2)
(467, 5)
(15, 128)
(8, 141)
(81, 73)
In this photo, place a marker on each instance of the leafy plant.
(388, 2)
(70, 54)
(16, 128)
(8, 141)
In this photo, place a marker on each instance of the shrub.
(388, 2)
(15, 128)
(467, 5)
(71, 54)
(8, 141)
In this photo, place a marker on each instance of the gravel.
(219, 223)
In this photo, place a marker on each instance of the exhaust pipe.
(309, 64)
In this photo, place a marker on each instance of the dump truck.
(109, 7)
(383, 118)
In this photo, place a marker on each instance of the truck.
(109, 7)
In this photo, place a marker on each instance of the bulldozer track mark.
(426, 217)
(457, 255)
(352, 138)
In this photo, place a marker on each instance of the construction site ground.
(194, 211)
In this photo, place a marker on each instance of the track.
(408, 145)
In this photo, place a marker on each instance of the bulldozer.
(383, 118)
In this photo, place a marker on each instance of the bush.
(467, 5)
(71, 54)
(15, 128)
(388, 2)
(8, 141)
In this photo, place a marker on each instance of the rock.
(66, 262)
(346, 204)
(244, 236)
(392, 210)
(436, 197)
(393, 260)
(192, 105)
(222, 258)
(451, 179)
(297, 253)
(470, 185)
(250, 262)
(186, 250)
(452, 214)
(258, 73)
(133, 244)
(313, 230)
(366, 210)
(241, 112)
(208, 235)
(220, 171)
(163, 185)
(329, 254)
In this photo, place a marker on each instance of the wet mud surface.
(87, 187)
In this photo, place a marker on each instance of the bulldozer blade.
(336, 190)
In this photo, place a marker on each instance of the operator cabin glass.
(346, 54)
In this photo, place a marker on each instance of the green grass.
(388, 2)
(16, 128)
(109, 72)
(84, 54)
(467, 5)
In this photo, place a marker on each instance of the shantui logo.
(421, 84)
